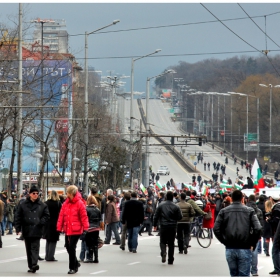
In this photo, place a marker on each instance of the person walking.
(92, 235)
(50, 233)
(73, 221)
(241, 238)
(133, 216)
(11, 205)
(210, 206)
(167, 214)
(184, 226)
(252, 203)
(111, 221)
(126, 197)
(148, 211)
(4, 198)
(32, 215)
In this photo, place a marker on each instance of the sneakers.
(116, 243)
(273, 272)
(255, 274)
(163, 258)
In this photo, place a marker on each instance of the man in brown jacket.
(1, 219)
(184, 226)
(111, 221)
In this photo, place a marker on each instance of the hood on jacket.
(76, 198)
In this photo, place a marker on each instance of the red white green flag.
(158, 185)
(205, 190)
(257, 176)
(143, 189)
(238, 187)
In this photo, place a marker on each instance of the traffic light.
(172, 140)
(199, 141)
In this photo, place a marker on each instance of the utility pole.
(19, 169)
(140, 156)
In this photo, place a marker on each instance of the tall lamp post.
(270, 112)
(86, 102)
(148, 129)
(247, 121)
(131, 112)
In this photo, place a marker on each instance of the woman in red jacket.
(73, 221)
(210, 206)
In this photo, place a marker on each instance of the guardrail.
(187, 165)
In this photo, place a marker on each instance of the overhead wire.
(241, 38)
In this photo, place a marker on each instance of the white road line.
(133, 263)
(10, 246)
(13, 260)
(98, 272)
(260, 267)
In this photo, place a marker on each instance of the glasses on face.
(35, 193)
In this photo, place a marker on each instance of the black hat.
(34, 189)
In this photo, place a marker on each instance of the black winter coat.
(133, 213)
(31, 217)
(168, 214)
(50, 233)
(234, 224)
(94, 216)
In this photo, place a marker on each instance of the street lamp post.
(131, 112)
(270, 112)
(148, 129)
(86, 103)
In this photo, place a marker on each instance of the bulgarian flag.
(238, 187)
(257, 176)
(143, 189)
(158, 185)
(225, 181)
(204, 190)
(226, 186)
(223, 190)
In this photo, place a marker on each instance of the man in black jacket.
(241, 238)
(133, 216)
(167, 214)
(31, 216)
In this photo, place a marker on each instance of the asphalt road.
(113, 262)
(159, 118)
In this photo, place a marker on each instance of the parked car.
(163, 170)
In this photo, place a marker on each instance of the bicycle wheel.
(204, 237)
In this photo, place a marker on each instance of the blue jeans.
(10, 226)
(112, 227)
(3, 224)
(84, 251)
(239, 262)
(254, 264)
(132, 240)
(276, 257)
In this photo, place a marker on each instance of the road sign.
(195, 163)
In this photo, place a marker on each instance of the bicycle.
(203, 235)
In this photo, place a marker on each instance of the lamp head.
(157, 50)
(116, 21)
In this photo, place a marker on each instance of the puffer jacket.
(168, 214)
(234, 224)
(94, 216)
(73, 219)
(187, 211)
(275, 216)
(31, 217)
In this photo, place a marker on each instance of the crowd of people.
(128, 215)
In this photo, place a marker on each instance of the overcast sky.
(191, 32)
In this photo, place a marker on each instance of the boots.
(90, 255)
(95, 251)
(163, 252)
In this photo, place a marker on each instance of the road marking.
(260, 267)
(10, 246)
(98, 272)
(133, 263)
(13, 260)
